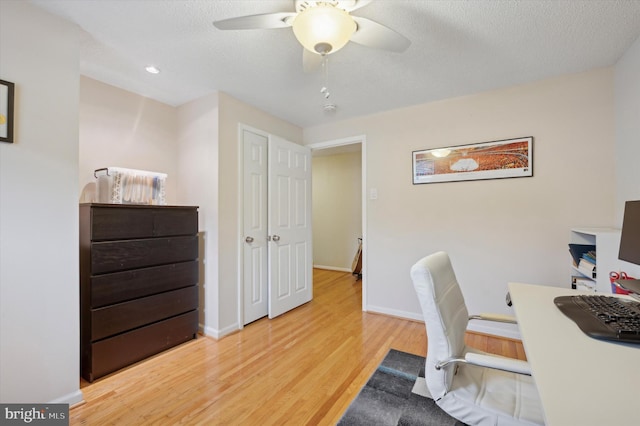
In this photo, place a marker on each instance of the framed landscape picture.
(507, 158)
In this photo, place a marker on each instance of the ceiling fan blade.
(372, 34)
(251, 22)
(352, 5)
(311, 62)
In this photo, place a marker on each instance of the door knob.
(249, 240)
(276, 238)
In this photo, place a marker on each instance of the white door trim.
(362, 139)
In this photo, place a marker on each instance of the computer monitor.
(630, 235)
(630, 242)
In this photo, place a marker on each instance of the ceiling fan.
(323, 27)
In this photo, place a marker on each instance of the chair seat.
(483, 396)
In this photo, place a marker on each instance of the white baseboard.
(72, 398)
(395, 313)
(209, 331)
(509, 331)
(332, 268)
(496, 329)
(218, 334)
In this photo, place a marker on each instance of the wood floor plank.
(304, 367)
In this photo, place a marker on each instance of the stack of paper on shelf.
(579, 282)
(584, 258)
(587, 267)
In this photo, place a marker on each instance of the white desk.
(581, 381)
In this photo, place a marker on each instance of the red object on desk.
(613, 276)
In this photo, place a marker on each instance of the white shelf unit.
(607, 242)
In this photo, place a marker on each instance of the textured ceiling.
(458, 48)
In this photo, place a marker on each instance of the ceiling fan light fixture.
(323, 28)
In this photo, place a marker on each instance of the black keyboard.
(603, 317)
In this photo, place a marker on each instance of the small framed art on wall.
(6, 111)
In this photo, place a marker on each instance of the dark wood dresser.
(138, 283)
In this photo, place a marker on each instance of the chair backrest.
(445, 316)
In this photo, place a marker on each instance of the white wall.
(627, 122)
(495, 231)
(337, 209)
(39, 292)
(122, 129)
(197, 164)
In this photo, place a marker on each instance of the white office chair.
(474, 387)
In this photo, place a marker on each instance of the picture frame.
(6, 111)
(507, 158)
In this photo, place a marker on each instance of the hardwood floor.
(304, 367)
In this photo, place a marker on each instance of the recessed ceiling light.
(152, 69)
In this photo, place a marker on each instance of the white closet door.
(290, 255)
(254, 253)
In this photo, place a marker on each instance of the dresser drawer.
(121, 317)
(113, 256)
(109, 355)
(119, 287)
(117, 223)
(175, 221)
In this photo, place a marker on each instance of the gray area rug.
(388, 397)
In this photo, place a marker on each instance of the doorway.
(355, 144)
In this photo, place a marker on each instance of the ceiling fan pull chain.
(325, 88)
